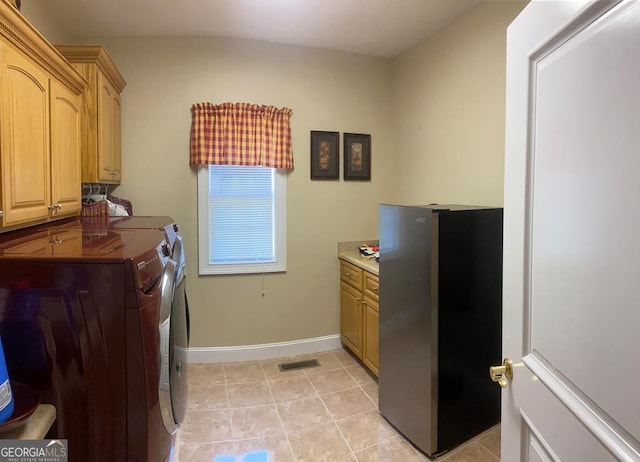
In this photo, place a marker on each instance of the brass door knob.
(502, 374)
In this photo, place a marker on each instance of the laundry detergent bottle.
(6, 397)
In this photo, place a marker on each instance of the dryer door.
(164, 345)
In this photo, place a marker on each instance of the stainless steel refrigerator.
(440, 321)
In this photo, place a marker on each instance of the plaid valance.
(241, 134)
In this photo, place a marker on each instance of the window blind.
(241, 215)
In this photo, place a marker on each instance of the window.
(241, 219)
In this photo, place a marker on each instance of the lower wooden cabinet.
(359, 313)
(351, 318)
(370, 328)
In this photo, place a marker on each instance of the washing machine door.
(164, 345)
(173, 341)
(179, 337)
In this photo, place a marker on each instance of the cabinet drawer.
(371, 286)
(351, 274)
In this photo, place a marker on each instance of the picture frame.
(325, 155)
(357, 156)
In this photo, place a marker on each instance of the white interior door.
(572, 233)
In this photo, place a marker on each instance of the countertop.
(35, 426)
(348, 251)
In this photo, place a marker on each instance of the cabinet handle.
(374, 289)
(57, 206)
(348, 274)
(1, 213)
(51, 207)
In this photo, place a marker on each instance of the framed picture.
(357, 157)
(324, 155)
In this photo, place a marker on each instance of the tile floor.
(326, 413)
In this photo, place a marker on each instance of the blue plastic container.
(6, 397)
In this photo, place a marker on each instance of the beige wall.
(39, 15)
(449, 96)
(436, 116)
(327, 91)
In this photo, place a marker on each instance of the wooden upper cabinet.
(65, 150)
(39, 127)
(106, 140)
(25, 154)
(101, 112)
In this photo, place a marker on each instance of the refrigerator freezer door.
(408, 322)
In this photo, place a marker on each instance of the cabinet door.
(108, 131)
(351, 318)
(370, 350)
(66, 182)
(117, 137)
(24, 152)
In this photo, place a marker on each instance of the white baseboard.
(263, 351)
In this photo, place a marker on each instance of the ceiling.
(382, 28)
